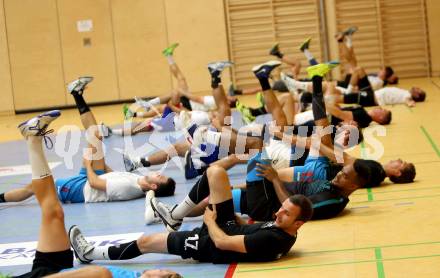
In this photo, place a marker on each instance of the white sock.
(154, 101)
(118, 131)
(349, 89)
(99, 253)
(348, 41)
(170, 60)
(213, 137)
(308, 55)
(183, 209)
(301, 85)
(40, 168)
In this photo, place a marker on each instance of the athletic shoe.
(320, 69)
(289, 82)
(142, 103)
(37, 126)
(190, 171)
(275, 50)
(79, 84)
(79, 244)
(164, 212)
(264, 70)
(335, 63)
(231, 90)
(170, 49)
(350, 31)
(131, 163)
(164, 124)
(305, 45)
(106, 131)
(245, 112)
(149, 216)
(128, 114)
(260, 99)
(217, 67)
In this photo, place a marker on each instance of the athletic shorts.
(46, 263)
(362, 98)
(259, 201)
(344, 83)
(197, 244)
(71, 189)
(315, 168)
(200, 118)
(279, 86)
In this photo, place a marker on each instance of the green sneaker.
(170, 49)
(305, 45)
(128, 114)
(260, 99)
(320, 69)
(245, 112)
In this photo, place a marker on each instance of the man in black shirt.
(221, 239)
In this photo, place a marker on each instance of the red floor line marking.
(231, 269)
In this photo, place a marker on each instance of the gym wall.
(41, 48)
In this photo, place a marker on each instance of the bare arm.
(221, 240)
(271, 175)
(334, 110)
(93, 179)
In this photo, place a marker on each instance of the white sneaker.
(143, 103)
(219, 66)
(164, 212)
(79, 84)
(149, 216)
(131, 163)
(80, 245)
(37, 126)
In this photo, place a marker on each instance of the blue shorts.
(315, 168)
(261, 158)
(70, 190)
(236, 199)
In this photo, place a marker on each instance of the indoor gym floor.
(391, 231)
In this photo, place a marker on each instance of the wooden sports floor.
(390, 231)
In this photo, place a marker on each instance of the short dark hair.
(388, 71)
(420, 96)
(305, 204)
(387, 118)
(407, 175)
(370, 172)
(165, 189)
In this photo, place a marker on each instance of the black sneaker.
(275, 50)
(350, 31)
(264, 70)
(305, 45)
(190, 170)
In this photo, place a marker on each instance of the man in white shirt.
(96, 182)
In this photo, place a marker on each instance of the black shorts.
(185, 102)
(197, 244)
(279, 86)
(364, 99)
(344, 83)
(260, 201)
(46, 263)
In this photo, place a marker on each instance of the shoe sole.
(167, 225)
(270, 63)
(74, 251)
